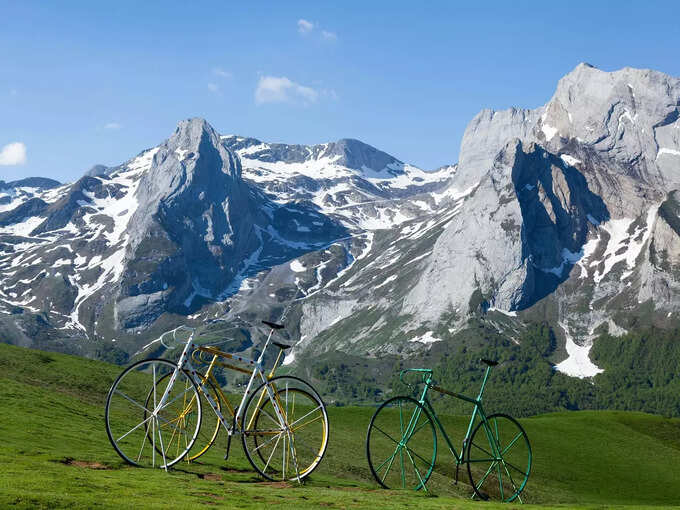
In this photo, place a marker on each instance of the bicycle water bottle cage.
(273, 325)
(489, 362)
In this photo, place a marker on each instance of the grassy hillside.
(55, 454)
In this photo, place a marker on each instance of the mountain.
(564, 218)
(179, 231)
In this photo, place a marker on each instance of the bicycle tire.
(320, 431)
(514, 451)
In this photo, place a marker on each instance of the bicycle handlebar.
(426, 374)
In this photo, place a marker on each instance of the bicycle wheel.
(498, 458)
(401, 444)
(291, 451)
(210, 424)
(144, 432)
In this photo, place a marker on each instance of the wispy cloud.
(217, 71)
(304, 26)
(13, 154)
(329, 36)
(113, 126)
(275, 89)
(213, 87)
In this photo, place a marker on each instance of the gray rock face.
(568, 213)
(199, 226)
(194, 224)
(565, 193)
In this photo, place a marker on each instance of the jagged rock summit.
(566, 203)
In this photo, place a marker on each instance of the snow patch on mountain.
(578, 363)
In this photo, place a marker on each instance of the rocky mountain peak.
(190, 132)
(358, 155)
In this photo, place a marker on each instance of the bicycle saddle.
(489, 362)
(273, 325)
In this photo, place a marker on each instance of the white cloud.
(304, 26)
(13, 92)
(329, 36)
(221, 73)
(273, 89)
(213, 87)
(113, 125)
(13, 154)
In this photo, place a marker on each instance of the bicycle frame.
(197, 356)
(237, 427)
(425, 402)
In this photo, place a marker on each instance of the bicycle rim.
(277, 453)
(498, 459)
(152, 435)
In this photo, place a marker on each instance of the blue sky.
(97, 82)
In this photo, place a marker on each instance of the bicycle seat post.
(266, 344)
(486, 376)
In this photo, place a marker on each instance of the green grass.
(55, 454)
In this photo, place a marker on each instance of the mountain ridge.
(565, 214)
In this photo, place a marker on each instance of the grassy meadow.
(55, 454)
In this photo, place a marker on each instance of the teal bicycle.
(401, 444)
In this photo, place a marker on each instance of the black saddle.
(489, 362)
(273, 325)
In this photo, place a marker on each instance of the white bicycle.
(154, 412)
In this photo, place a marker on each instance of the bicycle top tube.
(426, 374)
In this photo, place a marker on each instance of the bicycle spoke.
(160, 437)
(482, 449)
(426, 422)
(488, 472)
(391, 457)
(303, 444)
(305, 416)
(511, 443)
(515, 468)
(142, 448)
(415, 468)
(403, 474)
(266, 413)
(388, 467)
(133, 401)
(514, 486)
(269, 441)
(305, 424)
(133, 429)
(167, 404)
(416, 454)
(272, 454)
(500, 479)
(385, 433)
